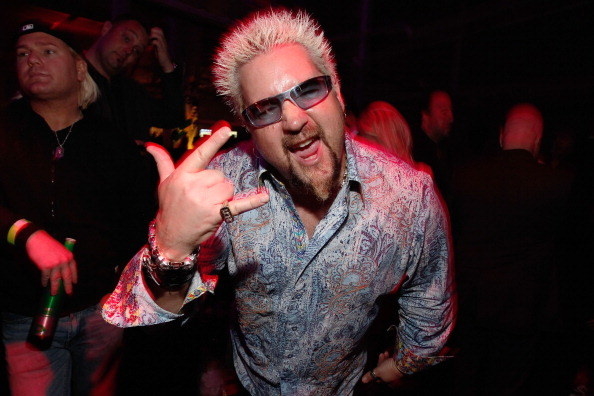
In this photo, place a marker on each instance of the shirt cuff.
(131, 305)
(408, 363)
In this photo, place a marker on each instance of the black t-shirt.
(101, 193)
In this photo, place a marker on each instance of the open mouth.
(307, 151)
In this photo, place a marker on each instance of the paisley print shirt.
(303, 304)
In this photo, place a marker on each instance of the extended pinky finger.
(245, 204)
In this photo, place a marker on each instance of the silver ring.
(226, 213)
(374, 376)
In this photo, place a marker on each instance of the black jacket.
(507, 215)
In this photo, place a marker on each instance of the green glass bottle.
(44, 324)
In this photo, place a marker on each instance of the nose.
(33, 59)
(294, 117)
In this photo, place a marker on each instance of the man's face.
(306, 147)
(46, 68)
(437, 121)
(121, 46)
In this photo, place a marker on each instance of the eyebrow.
(37, 43)
(135, 34)
(132, 31)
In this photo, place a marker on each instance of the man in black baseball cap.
(64, 173)
(39, 39)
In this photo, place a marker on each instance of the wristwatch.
(164, 272)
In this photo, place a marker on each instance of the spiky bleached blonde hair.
(258, 34)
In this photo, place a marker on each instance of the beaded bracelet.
(165, 273)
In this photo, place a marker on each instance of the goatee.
(321, 188)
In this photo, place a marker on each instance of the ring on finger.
(226, 213)
(374, 376)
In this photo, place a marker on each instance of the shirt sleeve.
(131, 305)
(428, 301)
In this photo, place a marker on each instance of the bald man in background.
(507, 214)
(123, 101)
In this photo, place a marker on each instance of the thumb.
(162, 158)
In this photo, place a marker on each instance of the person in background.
(508, 214)
(123, 100)
(63, 174)
(316, 227)
(431, 143)
(380, 124)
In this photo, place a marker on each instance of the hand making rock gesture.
(191, 197)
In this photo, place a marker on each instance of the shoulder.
(386, 175)
(15, 117)
(373, 163)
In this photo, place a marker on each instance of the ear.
(107, 25)
(81, 69)
(537, 145)
(341, 101)
(424, 120)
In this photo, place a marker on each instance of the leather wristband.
(166, 273)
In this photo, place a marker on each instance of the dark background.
(489, 54)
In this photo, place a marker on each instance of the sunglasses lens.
(310, 93)
(264, 113)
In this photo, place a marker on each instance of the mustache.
(289, 141)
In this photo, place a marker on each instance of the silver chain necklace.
(59, 151)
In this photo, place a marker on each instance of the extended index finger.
(202, 155)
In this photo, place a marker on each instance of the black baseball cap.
(33, 26)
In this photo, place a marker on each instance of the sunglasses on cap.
(305, 95)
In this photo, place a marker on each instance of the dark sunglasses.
(305, 95)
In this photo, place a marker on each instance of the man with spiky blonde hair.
(311, 226)
(258, 35)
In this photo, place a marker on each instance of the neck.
(57, 113)
(92, 57)
(435, 137)
(310, 213)
(311, 210)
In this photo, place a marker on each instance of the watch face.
(175, 278)
(165, 274)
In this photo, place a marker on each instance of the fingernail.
(262, 190)
(220, 124)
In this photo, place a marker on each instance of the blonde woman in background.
(382, 126)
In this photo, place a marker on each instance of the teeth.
(305, 144)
